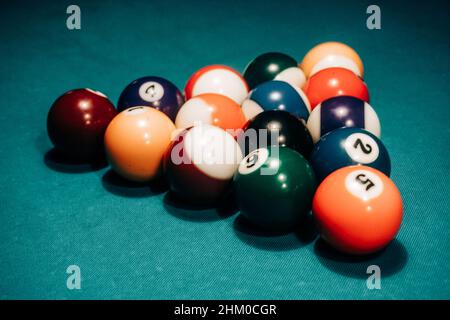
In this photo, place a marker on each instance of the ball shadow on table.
(119, 186)
(391, 260)
(199, 212)
(56, 161)
(304, 234)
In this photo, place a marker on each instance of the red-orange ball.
(333, 82)
(358, 209)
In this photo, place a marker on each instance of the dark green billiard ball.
(273, 66)
(274, 188)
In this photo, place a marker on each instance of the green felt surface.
(135, 242)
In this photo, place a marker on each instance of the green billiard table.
(127, 241)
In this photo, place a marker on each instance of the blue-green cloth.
(135, 242)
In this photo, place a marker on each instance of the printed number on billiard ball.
(364, 184)
(251, 161)
(151, 91)
(366, 148)
(254, 161)
(361, 147)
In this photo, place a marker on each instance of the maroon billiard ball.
(77, 121)
(200, 163)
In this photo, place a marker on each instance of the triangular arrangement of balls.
(286, 137)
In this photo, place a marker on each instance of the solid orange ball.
(135, 142)
(333, 82)
(358, 209)
(331, 54)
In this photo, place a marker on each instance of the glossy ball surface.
(200, 163)
(77, 121)
(211, 108)
(273, 66)
(136, 141)
(276, 95)
(348, 146)
(155, 92)
(358, 210)
(333, 82)
(288, 130)
(217, 79)
(274, 188)
(332, 54)
(340, 112)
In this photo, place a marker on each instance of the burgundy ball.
(77, 122)
(200, 163)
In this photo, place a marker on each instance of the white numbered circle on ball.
(362, 148)
(253, 161)
(364, 184)
(151, 91)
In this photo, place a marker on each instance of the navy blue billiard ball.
(155, 92)
(342, 111)
(349, 146)
(276, 95)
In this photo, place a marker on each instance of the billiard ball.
(343, 111)
(349, 146)
(276, 95)
(273, 66)
(331, 54)
(77, 121)
(358, 209)
(211, 108)
(200, 163)
(274, 188)
(155, 92)
(333, 82)
(135, 142)
(276, 128)
(217, 79)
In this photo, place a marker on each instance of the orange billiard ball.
(334, 82)
(358, 209)
(331, 54)
(135, 142)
